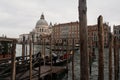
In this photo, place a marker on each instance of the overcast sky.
(20, 16)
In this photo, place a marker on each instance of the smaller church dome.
(42, 21)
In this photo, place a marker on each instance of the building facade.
(116, 31)
(93, 35)
(20, 40)
(65, 31)
(42, 29)
(71, 31)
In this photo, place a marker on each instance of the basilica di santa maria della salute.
(41, 29)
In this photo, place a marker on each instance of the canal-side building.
(93, 35)
(64, 31)
(116, 31)
(71, 31)
(21, 38)
(42, 29)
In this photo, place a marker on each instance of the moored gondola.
(60, 60)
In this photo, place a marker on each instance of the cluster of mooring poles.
(84, 59)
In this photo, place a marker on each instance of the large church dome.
(41, 22)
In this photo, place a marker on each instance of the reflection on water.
(94, 74)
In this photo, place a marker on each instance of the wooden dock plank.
(45, 70)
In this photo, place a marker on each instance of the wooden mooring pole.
(13, 57)
(110, 56)
(90, 56)
(26, 51)
(39, 68)
(84, 62)
(30, 74)
(33, 44)
(44, 50)
(51, 57)
(67, 50)
(73, 61)
(23, 49)
(116, 60)
(100, 48)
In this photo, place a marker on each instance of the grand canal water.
(94, 74)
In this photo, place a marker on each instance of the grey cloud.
(20, 16)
